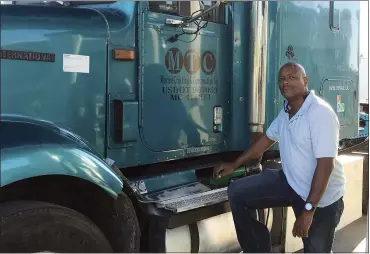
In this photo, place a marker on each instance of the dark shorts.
(270, 189)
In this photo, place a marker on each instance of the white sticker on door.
(76, 63)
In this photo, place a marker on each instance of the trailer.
(114, 114)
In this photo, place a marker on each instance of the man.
(312, 180)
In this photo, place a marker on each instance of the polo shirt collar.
(307, 103)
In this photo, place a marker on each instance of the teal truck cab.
(113, 115)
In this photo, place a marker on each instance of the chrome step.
(194, 201)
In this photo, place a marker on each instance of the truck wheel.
(123, 227)
(30, 227)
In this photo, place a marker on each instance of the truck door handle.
(174, 22)
(118, 120)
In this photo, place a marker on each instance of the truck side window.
(167, 7)
(217, 15)
(187, 8)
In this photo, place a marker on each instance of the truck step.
(193, 201)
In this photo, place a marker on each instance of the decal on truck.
(290, 53)
(76, 63)
(189, 87)
(192, 61)
(340, 104)
(27, 56)
(338, 88)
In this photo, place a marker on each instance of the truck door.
(184, 73)
(341, 94)
(322, 36)
(341, 88)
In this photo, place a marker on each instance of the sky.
(364, 28)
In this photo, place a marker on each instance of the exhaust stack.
(258, 67)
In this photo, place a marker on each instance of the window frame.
(217, 20)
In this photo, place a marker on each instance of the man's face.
(292, 82)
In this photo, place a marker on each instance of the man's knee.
(232, 192)
(239, 191)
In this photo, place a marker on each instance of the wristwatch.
(308, 207)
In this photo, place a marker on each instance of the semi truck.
(114, 114)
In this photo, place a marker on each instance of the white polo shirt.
(313, 132)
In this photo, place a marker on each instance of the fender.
(31, 148)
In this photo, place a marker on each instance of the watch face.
(308, 207)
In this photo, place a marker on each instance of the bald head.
(299, 68)
(293, 82)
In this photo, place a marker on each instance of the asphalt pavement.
(352, 238)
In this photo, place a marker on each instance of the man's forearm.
(243, 159)
(258, 147)
(320, 180)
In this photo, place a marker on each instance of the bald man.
(311, 180)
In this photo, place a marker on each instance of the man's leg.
(265, 190)
(321, 233)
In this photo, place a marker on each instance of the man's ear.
(305, 79)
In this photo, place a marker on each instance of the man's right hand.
(260, 145)
(223, 170)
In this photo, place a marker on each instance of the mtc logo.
(192, 61)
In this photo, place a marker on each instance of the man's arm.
(258, 147)
(324, 130)
(262, 143)
(320, 179)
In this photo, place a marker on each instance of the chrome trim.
(258, 65)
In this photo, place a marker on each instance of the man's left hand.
(302, 224)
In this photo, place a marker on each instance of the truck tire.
(123, 228)
(29, 227)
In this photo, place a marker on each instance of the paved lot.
(352, 238)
